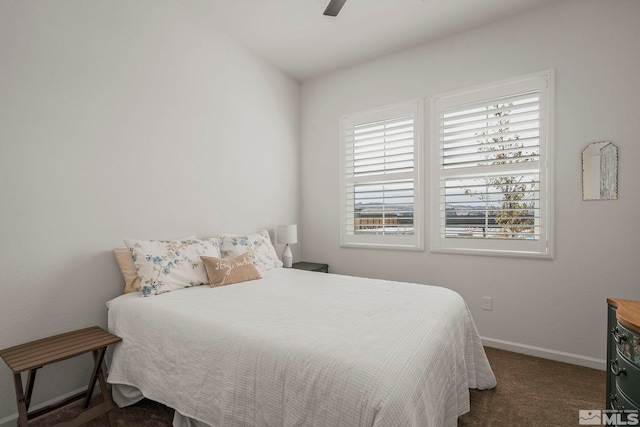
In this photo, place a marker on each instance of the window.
(381, 179)
(491, 167)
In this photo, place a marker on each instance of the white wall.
(556, 306)
(124, 119)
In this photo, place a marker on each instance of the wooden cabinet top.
(627, 312)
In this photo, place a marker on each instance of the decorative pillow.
(225, 271)
(258, 246)
(128, 270)
(214, 241)
(167, 265)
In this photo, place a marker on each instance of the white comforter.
(298, 348)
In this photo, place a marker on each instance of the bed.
(299, 348)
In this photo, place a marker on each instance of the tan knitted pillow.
(128, 269)
(225, 271)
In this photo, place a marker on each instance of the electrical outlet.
(487, 303)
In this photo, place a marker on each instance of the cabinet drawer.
(626, 408)
(621, 401)
(627, 378)
(628, 343)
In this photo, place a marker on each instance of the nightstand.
(311, 266)
(36, 354)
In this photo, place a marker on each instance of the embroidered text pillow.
(225, 271)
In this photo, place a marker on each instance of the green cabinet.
(611, 354)
(623, 359)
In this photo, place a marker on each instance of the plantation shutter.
(380, 167)
(492, 174)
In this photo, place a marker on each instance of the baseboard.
(545, 353)
(12, 420)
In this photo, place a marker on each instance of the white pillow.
(168, 265)
(258, 245)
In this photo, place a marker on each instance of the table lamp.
(285, 235)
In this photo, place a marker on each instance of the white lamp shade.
(287, 234)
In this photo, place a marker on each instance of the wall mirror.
(600, 171)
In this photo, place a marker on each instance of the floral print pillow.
(258, 245)
(168, 265)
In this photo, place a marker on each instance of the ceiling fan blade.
(334, 7)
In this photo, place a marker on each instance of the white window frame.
(395, 242)
(541, 248)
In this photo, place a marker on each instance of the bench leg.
(98, 358)
(22, 407)
(98, 375)
(31, 380)
(112, 419)
(106, 394)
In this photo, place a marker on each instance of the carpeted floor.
(145, 413)
(534, 392)
(531, 392)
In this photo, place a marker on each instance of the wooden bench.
(34, 355)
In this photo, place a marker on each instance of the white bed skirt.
(126, 395)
